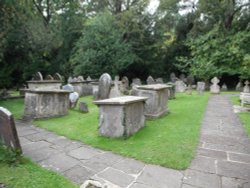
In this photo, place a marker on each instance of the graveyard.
(125, 94)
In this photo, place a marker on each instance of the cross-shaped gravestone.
(215, 88)
(8, 133)
(246, 88)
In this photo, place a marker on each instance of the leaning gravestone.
(104, 86)
(57, 76)
(200, 87)
(8, 133)
(83, 107)
(215, 88)
(49, 77)
(159, 81)
(150, 80)
(246, 88)
(37, 76)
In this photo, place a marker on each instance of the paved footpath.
(222, 160)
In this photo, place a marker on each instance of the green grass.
(29, 175)
(169, 141)
(244, 116)
(15, 106)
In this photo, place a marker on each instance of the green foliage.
(101, 48)
(9, 156)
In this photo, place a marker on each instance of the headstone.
(224, 87)
(190, 80)
(37, 76)
(115, 91)
(246, 88)
(180, 86)
(75, 79)
(200, 87)
(57, 76)
(68, 87)
(83, 107)
(239, 86)
(183, 78)
(73, 98)
(89, 78)
(173, 77)
(105, 82)
(124, 85)
(159, 81)
(171, 94)
(70, 79)
(215, 88)
(136, 81)
(49, 77)
(8, 133)
(150, 80)
(4, 93)
(80, 78)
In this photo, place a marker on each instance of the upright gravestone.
(104, 86)
(37, 76)
(150, 80)
(183, 78)
(190, 80)
(136, 82)
(89, 78)
(8, 133)
(173, 77)
(239, 86)
(115, 91)
(224, 87)
(70, 79)
(180, 86)
(215, 88)
(200, 87)
(124, 85)
(57, 76)
(159, 81)
(246, 88)
(80, 78)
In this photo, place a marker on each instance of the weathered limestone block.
(180, 86)
(156, 104)
(44, 84)
(44, 104)
(8, 133)
(121, 116)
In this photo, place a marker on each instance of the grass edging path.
(170, 141)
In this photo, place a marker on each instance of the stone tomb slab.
(156, 104)
(46, 103)
(121, 116)
(8, 133)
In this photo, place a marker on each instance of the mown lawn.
(244, 116)
(15, 106)
(29, 175)
(170, 141)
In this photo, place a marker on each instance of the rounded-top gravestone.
(37, 76)
(150, 80)
(105, 82)
(49, 77)
(57, 76)
(246, 88)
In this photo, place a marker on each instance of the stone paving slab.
(222, 159)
